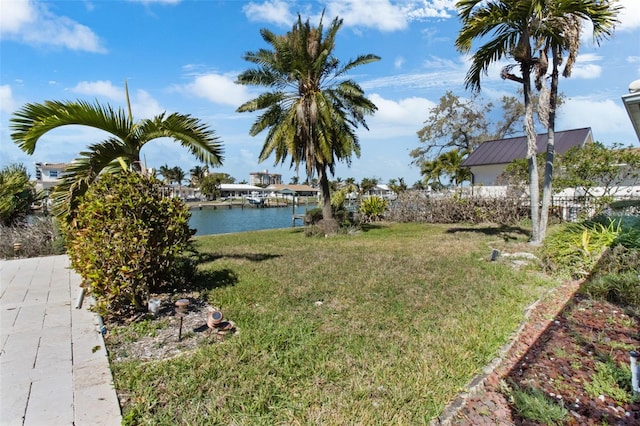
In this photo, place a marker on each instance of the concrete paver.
(54, 368)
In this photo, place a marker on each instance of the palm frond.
(33, 120)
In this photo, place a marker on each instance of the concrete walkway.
(54, 368)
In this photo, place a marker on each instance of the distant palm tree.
(120, 150)
(166, 172)
(197, 173)
(311, 110)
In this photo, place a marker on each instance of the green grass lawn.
(382, 327)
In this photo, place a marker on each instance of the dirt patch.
(168, 334)
(562, 350)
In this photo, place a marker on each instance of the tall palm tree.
(120, 150)
(310, 109)
(559, 34)
(511, 24)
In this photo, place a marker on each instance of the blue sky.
(184, 55)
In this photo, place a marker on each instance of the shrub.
(373, 208)
(125, 240)
(577, 248)
(313, 216)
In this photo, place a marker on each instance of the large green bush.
(125, 240)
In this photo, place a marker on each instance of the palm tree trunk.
(325, 192)
(547, 190)
(534, 188)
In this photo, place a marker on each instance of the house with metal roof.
(489, 160)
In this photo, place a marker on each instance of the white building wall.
(487, 175)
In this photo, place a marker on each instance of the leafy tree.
(178, 175)
(295, 180)
(210, 184)
(559, 34)
(461, 125)
(118, 152)
(17, 194)
(310, 109)
(595, 170)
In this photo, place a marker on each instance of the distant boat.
(256, 201)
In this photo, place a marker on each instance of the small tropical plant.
(373, 208)
(534, 404)
(577, 248)
(125, 240)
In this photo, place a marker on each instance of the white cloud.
(273, 11)
(380, 14)
(399, 62)
(432, 9)
(145, 106)
(585, 67)
(14, 15)
(7, 103)
(408, 111)
(397, 118)
(99, 88)
(608, 120)
(156, 1)
(30, 22)
(633, 59)
(220, 89)
(629, 16)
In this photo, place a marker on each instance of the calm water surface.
(223, 220)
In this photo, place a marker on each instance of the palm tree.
(120, 150)
(310, 109)
(198, 173)
(167, 176)
(559, 33)
(511, 22)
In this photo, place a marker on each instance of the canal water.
(223, 220)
